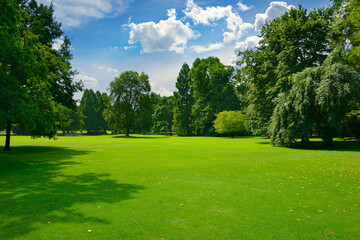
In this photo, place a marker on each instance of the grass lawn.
(157, 187)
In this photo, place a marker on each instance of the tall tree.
(25, 77)
(213, 92)
(319, 98)
(163, 115)
(30, 69)
(290, 43)
(183, 102)
(127, 92)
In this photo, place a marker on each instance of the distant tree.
(63, 118)
(230, 122)
(213, 92)
(296, 40)
(320, 98)
(127, 92)
(183, 102)
(92, 106)
(88, 104)
(163, 115)
(76, 122)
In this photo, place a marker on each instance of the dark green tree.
(320, 98)
(25, 76)
(30, 69)
(88, 104)
(163, 115)
(127, 93)
(213, 92)
(183, 102)
(290, 43)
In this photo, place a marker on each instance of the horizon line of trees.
(302, 79)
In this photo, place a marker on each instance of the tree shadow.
(34, 190)
(352, 146)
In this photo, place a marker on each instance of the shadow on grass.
(352, 146)
(141, 136)
(34, 191)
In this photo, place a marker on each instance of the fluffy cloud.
(57, 43)
(88, 81)
(249, 43)
(211, 14)
(243, 7)
(211, 47)
(275, 10)
(72, 13)
(166, 35)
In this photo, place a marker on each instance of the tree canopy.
(128, 91)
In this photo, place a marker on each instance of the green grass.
(156, 187)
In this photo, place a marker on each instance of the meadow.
(159, 187)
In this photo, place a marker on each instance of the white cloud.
(166, 35)
(107, 69)
(249, 43)
(211, 14)
(88, 81)
(128, 47)
(275, 10)
(211, 47)
(72, 13)
(164, 92)
(243, 7)
(57, 43)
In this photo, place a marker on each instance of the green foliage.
(128, 91)
(163, 115)
(92, 106)
(213, 92)
(230, 122)
(346, 30)
(183, 102)
(290, 43)
(320, 98)
(30, 70)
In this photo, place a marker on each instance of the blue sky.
(158, 36)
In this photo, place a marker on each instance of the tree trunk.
(8, 131)
(127, 132)
(170, 128)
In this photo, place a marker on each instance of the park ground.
(158, 187)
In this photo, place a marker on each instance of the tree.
(163, 115)
(296, 40)
(27, 71)
(127, 91)
(39, 19)
(320, 98)
(25, 77)
(92, 105)
(230, 122)
(213, 92)
(183, 102)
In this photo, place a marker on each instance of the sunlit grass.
(157, 187)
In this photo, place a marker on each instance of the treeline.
(205, 90)
(303, 78)
(301, 81)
